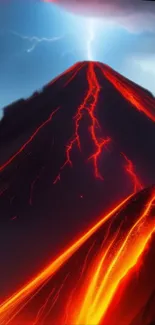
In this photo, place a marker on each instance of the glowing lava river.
(82, 147)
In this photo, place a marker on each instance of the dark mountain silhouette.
(67, 154)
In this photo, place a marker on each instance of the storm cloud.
(133, 14)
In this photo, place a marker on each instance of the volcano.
(68, 154)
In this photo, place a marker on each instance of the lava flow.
(117, 255)
(112, 265)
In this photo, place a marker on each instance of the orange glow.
(112, 266)
(10, 305)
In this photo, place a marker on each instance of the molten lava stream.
(117, 255)
(138, 99)
(111, 266)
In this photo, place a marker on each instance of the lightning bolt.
(34, 40)
(91, 37)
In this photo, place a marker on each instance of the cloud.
(132, 14)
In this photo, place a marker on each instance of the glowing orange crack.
(22, 148)
(77, 70)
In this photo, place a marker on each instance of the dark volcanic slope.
(146, 316)
(66, 154)
(59, 297)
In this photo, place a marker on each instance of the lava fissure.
(130, 170)
(77, 70)
(11, 159)
(63, 74)
(128, 90)
(89, 106)
(33, 185)
(42, 308)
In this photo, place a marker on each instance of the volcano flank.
(68, 154)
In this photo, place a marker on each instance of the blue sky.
(27, 64)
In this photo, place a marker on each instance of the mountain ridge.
(57, 78)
